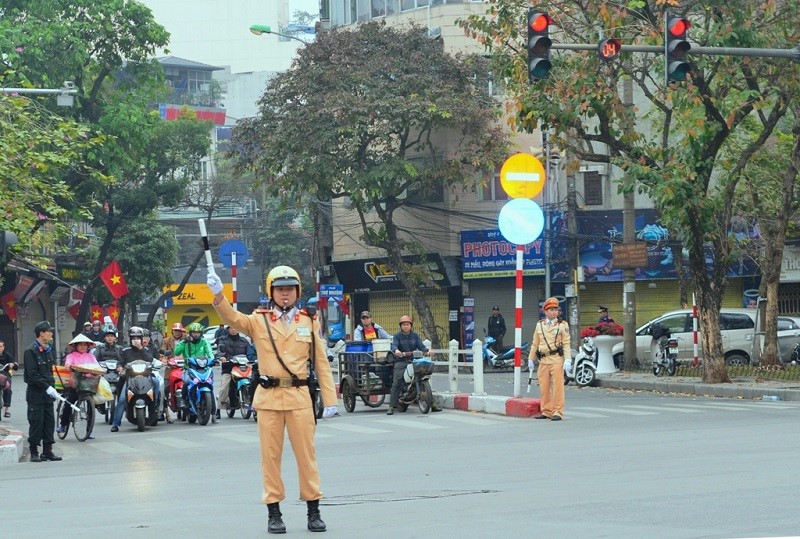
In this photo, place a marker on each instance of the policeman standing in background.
(604, 318)
(286, 340)
(496, 328)
(41, 394)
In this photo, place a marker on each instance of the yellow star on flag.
(10, 303)
(115, 279)
(96, 314)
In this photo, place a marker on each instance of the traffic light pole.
(793, 54)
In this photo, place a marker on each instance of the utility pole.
(573, 251)
(629, 273)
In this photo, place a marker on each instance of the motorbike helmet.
(135, 332)
(109, 329)
(195, 330)
(177, 326)
(283, 276)
(406, 318)
(145, 333)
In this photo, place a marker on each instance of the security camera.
(69, 85)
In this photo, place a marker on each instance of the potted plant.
(603, 328)
(605, 335)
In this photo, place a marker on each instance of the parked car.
(788, 338)
(737, 327)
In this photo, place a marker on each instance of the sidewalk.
(11, 447)
(740, 388)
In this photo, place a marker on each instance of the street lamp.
(259, 29)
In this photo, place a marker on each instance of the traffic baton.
(209, 261)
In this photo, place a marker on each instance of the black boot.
(276, 524)
(315, 523)
(35, 454)
(48, 454)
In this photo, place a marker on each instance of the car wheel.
(737, 359)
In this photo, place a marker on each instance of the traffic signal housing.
(608, 49)
(539, 44)
(675, 48)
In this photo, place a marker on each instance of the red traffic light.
(609, 49)
(540, 21)
(678, 26)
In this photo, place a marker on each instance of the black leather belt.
(267, 382)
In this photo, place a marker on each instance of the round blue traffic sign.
(233, 246)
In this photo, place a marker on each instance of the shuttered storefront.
(387, 308)
(501, 293)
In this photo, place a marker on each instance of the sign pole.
(518, 326)
(233, 281)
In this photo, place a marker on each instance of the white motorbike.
(583, 368)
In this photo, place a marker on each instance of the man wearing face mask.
(135, 351)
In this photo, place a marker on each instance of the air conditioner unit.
(327, 270)
(600, 168)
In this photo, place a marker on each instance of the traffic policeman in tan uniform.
(549, 345)
(282, 332)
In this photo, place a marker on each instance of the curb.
(702, 390)
(489, 404)
(11, 448)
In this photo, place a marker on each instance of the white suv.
(737, 327)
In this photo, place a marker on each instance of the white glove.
(329, 412)
(214, 282)
(568, 365)
(52, 392)
(531, 366)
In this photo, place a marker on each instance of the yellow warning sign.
(522, 176)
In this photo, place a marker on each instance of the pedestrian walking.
(40, 394)
(7, 366)
(549, 345)
(288, 343)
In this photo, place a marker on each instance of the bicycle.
(83, 410)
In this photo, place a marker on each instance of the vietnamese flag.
(10, 305)
(114, 280)
(96, 313)
(74, 309)
(113, 312)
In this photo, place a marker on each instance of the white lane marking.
(114, 448)
(421, 425)
(233, 437)
(349, 427)
(664, 408)
(706, 408)
(177, 443)
(464, 418)
(615, 411)
(572, 413)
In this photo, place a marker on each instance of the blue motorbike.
(199, 381)
(505, 359)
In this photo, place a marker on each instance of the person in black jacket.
(404, 343)
(230, 344)
(40, 394)
(496, 329)
(136, 351)
(7, 364)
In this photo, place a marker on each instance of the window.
(493, 190)
(786, 324)
(592, 188)
(677, 323)
(378, 8)
(735, 321)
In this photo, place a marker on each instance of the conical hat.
(82, 338)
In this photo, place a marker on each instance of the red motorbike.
(239, 389)
(175, 386)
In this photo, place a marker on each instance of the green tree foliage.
(372, 114)
(669, 141)
(35, 146)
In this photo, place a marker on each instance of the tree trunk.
(172, 293)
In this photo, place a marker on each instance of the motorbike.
(112, 377)
(504, 360)
(583, 368)
(666, 358)
(239, 389)
(417, 384)
(200, 405)
(142, 400)
(175, 386)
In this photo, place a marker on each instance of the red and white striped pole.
(696, 359)
(233, 279)
(518, 326)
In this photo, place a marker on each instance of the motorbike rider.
(108, 348)
(147, 342)
(194, 346)
(167, 350)
(87, 329)
(287, 339)
(7, 366)
(231, 344)
(136, 351)
(96, 332)
(404, 343)
(368, 330)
